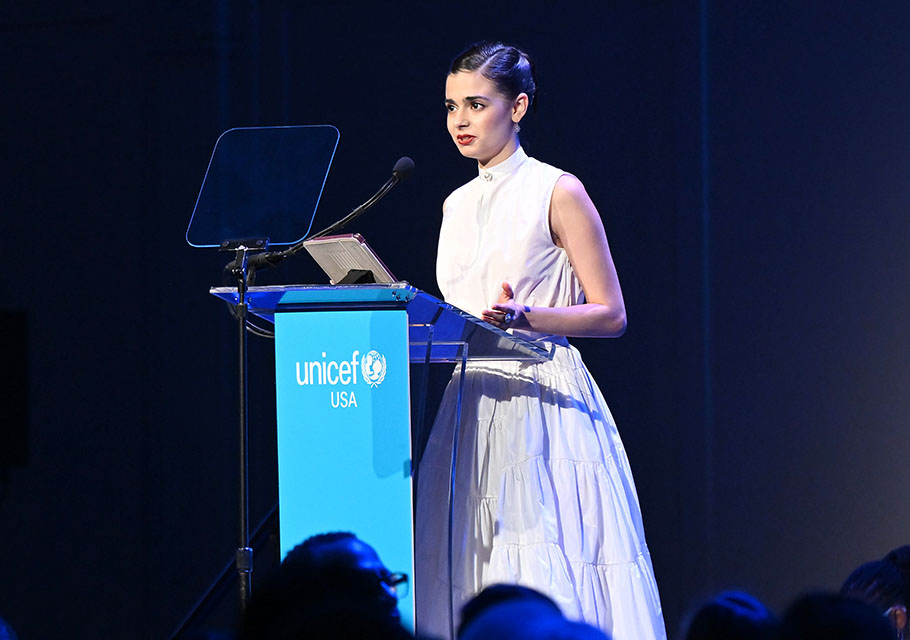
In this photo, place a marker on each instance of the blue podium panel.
(344, 444)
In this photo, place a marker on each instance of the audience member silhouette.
(881, 585)
(332, 585)
(828, 616)
(335, 586)
(900, 558)
(732, 615)
(497, 594)
(6, 631)
(504, 612)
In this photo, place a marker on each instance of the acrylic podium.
(343, 387)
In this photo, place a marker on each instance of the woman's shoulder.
(569, 187)
(540, 164)
(542, 169)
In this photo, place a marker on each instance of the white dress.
(544, 495)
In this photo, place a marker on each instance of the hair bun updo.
(509, 68)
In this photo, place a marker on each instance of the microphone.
(403, 168)
(401, 171)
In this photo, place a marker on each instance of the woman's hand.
(506, 313)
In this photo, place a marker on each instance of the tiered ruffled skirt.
(544, 497)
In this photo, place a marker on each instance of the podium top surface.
(431, 321)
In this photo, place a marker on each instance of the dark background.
(750, 161)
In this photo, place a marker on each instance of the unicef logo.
(373, 368)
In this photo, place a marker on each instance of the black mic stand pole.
(244, 552)
(244, 272)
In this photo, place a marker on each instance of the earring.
(516, 127)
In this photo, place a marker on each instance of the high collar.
(505, 167)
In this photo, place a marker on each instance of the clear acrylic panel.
(263, 182)
(452, 327)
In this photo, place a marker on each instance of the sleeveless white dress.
(544, 495)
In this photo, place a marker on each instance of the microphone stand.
(243, 556)
(402, 170)
(379, 195)
(243, 267)
(274, 258)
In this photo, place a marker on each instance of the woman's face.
(480, 119)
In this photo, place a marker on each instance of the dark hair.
(732, 615)
(497, 594)
(900, 558)
(833, 617)
(307, 553)
(506, 66)
(317, 593)
(878, 583)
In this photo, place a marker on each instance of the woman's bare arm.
(576, 227)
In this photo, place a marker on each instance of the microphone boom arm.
(379, 195)
(403, 168)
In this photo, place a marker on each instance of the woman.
(544, 496)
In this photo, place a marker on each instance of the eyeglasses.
(397, 584)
